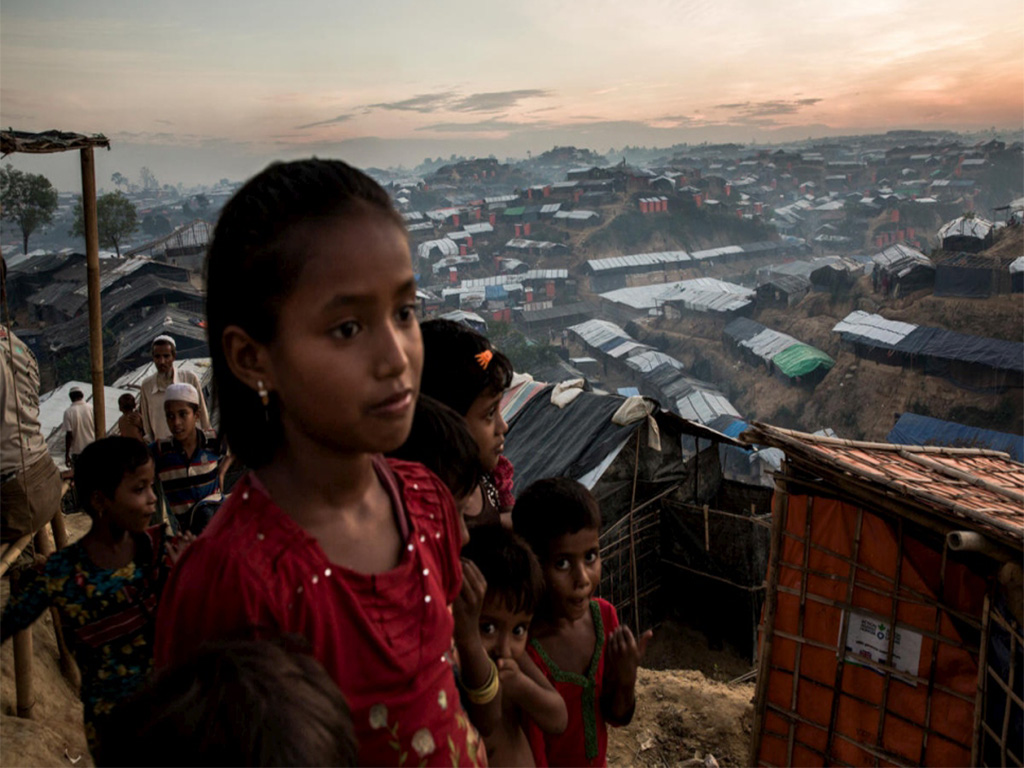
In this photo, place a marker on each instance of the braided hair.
(254, 262)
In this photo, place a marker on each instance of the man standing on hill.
(154, 388)
(79, 430)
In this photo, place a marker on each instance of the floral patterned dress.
(108, 618)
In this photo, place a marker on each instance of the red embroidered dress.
(585, 741)
(382, 637)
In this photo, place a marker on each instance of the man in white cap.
(154, 388)
(79, 430)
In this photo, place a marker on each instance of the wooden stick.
(1009, 692)
(808, 513)
(844, 629)
(891, 644)
(632, 538)
(707, 533)
(935, 656)
(722, 579)
(780, 504)
(979, 700)
(12, 551)
(92, 260)
(23, 673)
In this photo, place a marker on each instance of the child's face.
(181, 418)
(134, 501)
(346, 360)
(488, 428)
(503, 631)
(127, 406)
(572, 571)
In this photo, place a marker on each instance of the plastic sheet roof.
(1017, 265)
(901, 259)
(914, 429)
(577, 215)
(522, 277)
(478, 228)
(966, 227)
(637, 260)
(789, 355)
(445, 246)
(874, 327)
(596, 333)
(523, 244)
(650, 359)
(970, 488)
(702, 294)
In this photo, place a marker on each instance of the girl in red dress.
(317, 358)
(575, 639)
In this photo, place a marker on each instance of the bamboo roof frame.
(47, 142)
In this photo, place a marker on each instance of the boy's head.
(114, 482)
(515, 586)
(181, 404)
(126, 403)
(236, 703)
(561, 521)
(462, 371)
(76, 394)
(440, 440)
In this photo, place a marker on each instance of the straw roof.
(48, 141)
(967, 488)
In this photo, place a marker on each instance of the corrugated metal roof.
(595, 333)
(550, 207)
(650, 359)
(637, 260)
(876, 327)
(966, 227)
(522, 277)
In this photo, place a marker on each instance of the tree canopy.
(116, 218)
(27, 199)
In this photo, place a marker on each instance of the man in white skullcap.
(153, 390)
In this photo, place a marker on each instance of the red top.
(585, 739)
(382, 637)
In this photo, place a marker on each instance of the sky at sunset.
(201, 90)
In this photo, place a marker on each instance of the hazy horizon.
(198, 92)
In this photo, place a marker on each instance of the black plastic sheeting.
(743, 328)
(577, 437)
(941, 344)
(963, 281)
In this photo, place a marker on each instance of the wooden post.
(92, 260)
(979, 700)
(23, 672)
(632, 539)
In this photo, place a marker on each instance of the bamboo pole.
(12, 551)
(780, 504)
(92, 260)
(891, 644)
(794, 694)
(632, 538)
(979, 700)
(23, 673)
(933, 668)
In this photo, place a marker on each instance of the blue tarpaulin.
(912, 429)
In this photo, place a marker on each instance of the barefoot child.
(316, 351)
(105, 586)
(466, 374)
(515, 587)
(130, 422)
(576, 639)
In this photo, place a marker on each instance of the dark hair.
(102, 465)
(440, 440)
(76, 395)
(235, 703)
(127, 400)
(511, 568)
(551, 508)
(451, 372)
(254, 260)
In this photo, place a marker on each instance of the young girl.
(576, 639)
(466, 374)
(317, 357)
(106, 585)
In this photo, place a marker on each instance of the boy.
(188, 464)
(130, 422)
(462, 371)
(78, 426)
(515, 587)
(576, 639)
(106, 585)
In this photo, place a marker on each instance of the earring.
(262, 392)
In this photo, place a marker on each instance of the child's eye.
(561, 564)
(487, 628)
(520, 630)
(591, 556)
(346, 330)
(407, 313)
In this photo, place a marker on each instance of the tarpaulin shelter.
(790, 358)
(972, 275)
(891, 632)
(677, 538)
(913, 429)
(900, 269)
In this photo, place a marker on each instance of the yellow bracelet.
(487, 692)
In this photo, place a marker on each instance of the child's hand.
(467, 606)
(511, 677)
(623, 654)
(177, 546)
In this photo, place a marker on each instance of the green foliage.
(116, 219)
(156, 225)
(526, 355)
(27, 199)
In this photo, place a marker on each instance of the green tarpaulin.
(801, 359)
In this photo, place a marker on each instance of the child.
(105, 586)
(241, 702)
(130, 422)
(441, 442)
(316, 351)
(187, 463)
(463, 372)
(576, 639)
(515, 587)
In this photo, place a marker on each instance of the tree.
(116, 218)
(119, 179)
(27, 199)
(148, 179)
(156, 225)
(203, 202)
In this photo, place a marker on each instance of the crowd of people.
(370, 592)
